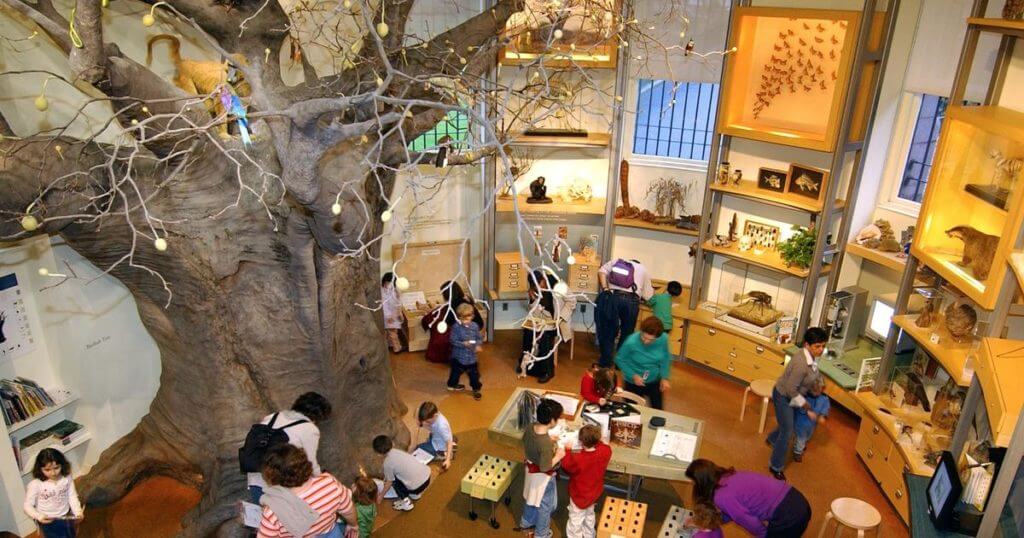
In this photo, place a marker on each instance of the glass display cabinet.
(788, 76)
(971, 214)
(754, 299)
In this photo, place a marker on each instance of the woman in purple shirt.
(762, 505)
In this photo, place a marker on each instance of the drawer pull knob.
(731, 368)
(712, 332)
(706, 362)
(871, 453)
(757, 366)
(732, 354)
(899, 494)
(759, 349)
(874, 429)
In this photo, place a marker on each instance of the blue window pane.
(674, 119)
(922, 147)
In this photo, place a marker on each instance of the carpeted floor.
(830, 468)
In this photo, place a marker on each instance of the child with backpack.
(296, 426)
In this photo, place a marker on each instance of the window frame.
(899, 151)
(629, 131)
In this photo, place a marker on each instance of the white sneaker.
(403, 505)
(415, 496)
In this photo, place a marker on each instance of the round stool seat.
(762, 387)
(855, 513)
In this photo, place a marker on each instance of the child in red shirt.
(586, 470)
(598, 384)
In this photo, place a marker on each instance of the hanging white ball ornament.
(382, 29)
(571, 260)
(148, 19)
(336, 208)
(402, 283)
(558, 34)
(386, 215)
(160, 244)
(561, 288)
(44, 271)
(41, 103)
(442, 327)
(29, 223)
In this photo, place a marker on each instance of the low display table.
(635, 463)
(489, 480)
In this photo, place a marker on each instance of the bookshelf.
(19, 426)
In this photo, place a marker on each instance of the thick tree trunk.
(259, 315)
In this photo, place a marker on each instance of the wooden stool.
(853, 514)
(762, 388)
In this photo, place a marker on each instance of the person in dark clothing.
(539, 336)
(439, 346)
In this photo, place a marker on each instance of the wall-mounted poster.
(15, 332)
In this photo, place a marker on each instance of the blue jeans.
(337, 532)
(255, 492)
(539, 517)
(614, 315)
(428, 447)
(780, 436)
(58, 528)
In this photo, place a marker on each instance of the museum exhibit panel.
(213, 213)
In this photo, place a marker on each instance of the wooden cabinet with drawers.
(512, 272)
(732, 354)
(583, 274)
(885, 462)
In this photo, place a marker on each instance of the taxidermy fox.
(201, 77)
(979, 249)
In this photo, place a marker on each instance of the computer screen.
(939, 489)
(878, 320)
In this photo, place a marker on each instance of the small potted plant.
(799, 248)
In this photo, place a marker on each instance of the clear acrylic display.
(754, 299)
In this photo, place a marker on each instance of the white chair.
(853, 514)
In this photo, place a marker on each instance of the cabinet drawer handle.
(874, 429)
(707, 362)
(731, 368)
(899, 494)
(759, 349)
(871, 453)
(757, 366)
(712, 332)
(733, 354)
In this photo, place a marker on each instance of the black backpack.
(261, 437)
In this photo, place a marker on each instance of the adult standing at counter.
(623, 284)
(763, 506)
(646, 362)
(796, 381)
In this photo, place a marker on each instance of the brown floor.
(830, 468)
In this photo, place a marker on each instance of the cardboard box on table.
(428, 265)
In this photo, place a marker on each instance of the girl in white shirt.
(51, 499)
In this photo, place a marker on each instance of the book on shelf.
(22, 398)
(63, 433)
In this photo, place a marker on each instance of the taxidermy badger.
(201, 77)
(979, 249)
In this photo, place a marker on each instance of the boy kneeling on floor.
(409, 477)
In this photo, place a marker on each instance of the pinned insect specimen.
(823, 85)
(802, 42)
(821, 28)
(835, 40)
(832, 54)
(807, 26)
(818, 39)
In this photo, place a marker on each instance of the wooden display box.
(969, 187)
(427, 266)
(489, 477)
(584, 41)
(513, 272)
(621, 519)
(583, 275)
(787, 81)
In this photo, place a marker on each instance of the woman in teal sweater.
(645, 361)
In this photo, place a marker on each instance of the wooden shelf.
(595, 206)
(704, 317)
(749, 189)
(885, 259)
(873, 406)
(37, 417)
(950, 354)
(592, 140)
(1002, 26)
(769, 260)
(63, 448)
(667, 228)
(507, 295)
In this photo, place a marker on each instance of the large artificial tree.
(255, 267)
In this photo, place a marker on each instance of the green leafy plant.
(799, 248)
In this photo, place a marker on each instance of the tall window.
(455, 125)
(675, 119)
(922, 147)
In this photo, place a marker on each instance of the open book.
(674, 445)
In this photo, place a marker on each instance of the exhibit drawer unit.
(512, 274)
(583, 274)
(733, 354)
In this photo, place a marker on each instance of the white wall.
(90, 341)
